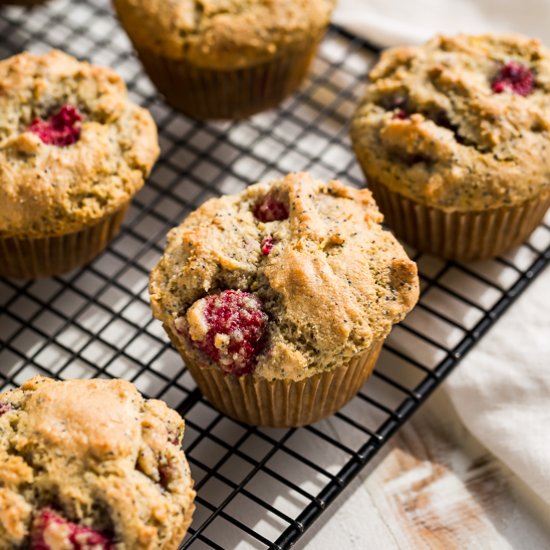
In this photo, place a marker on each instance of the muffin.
(225, 59)
(73, 152)
(454, 140)
(90, 464)
(279, 299)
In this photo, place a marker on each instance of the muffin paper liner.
(462, 236)
(280, 403)
(233, 93)
(29, 258)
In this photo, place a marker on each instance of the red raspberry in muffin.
(61, 129)
(267, 245)
(51, 531)
(515, 77)
(400, 114)
(228, 327)
(269, 209)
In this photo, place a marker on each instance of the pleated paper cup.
(30, 258)
(280, 403)
(462, 236)
(206, 93)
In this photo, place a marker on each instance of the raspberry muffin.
(91, 465)
(227, 59)
(279, 299)
(453, 138)
(73, 152)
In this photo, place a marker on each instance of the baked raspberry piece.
(167, 474)
(61, 129)
(229, 327)
(4, 408)
(267, 245)
(400, 114)
(50, 531)
(269, 209)
(398, 105)
(515, 77)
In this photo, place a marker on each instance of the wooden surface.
(434, 487)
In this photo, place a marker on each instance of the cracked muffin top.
(222, 33)
(90, 464)
(461, 123)
(73, 148)
(285, 280)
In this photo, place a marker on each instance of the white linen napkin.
(501, 390)
(393, 22)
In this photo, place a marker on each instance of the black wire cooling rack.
(257, 488)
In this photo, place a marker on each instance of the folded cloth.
(395, 22)
(501, 390)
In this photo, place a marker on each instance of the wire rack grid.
(257, 488)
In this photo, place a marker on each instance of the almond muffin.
(90, 464)
(225, 58)
(279, 299)
(73, 152)
(453, 138)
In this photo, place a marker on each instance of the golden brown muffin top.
(461, 123)
(48, 189)
(96, 454)
(222, 34)
(329, 279)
